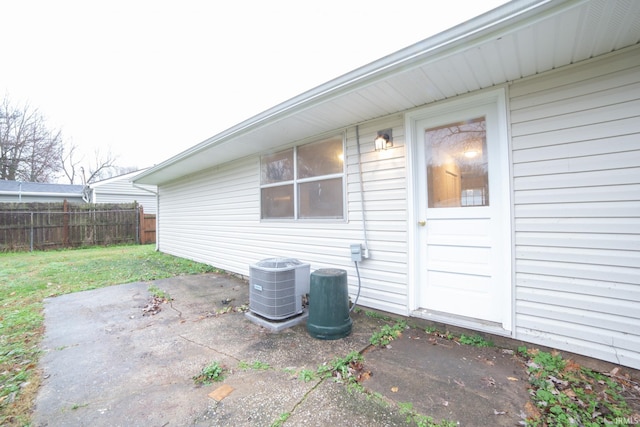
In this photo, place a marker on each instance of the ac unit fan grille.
(276, 293)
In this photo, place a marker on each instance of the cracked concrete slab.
(105, 364)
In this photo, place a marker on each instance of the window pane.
(321, 199)
(320, 158)
(276, 167)
(457, 169)
(277, 202)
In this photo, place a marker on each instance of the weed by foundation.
(256, 365)
(388, 333)
(567, 394)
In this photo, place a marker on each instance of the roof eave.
(39, 194)
(444, 43)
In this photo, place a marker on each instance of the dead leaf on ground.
(486, 361)
(489, 382)
(572, 366)
(512, 379)
(153, 307)
(364, 376)
(532, 410)
(394, 389)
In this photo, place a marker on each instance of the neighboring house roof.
(40, 189)
(121, 189)
(518, 39)
(126, 177)
(118, 189)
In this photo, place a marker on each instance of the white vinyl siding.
(121, 190)
(148, 202)
(214, 217)
(576, 167)
(575, 162)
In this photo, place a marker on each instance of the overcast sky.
(147, 79)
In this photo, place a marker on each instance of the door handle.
(422, 223)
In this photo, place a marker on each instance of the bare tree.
(28, 148)
(69, 162)
(31, 151)
(102, 167)
(76, 168)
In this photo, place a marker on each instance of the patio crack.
(175, 309)
(210, 348)
(306, 395)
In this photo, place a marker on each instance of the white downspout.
(365, 251)
(157, 194)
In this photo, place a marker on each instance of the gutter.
(36, 194)
(441, 44)
(155, 193)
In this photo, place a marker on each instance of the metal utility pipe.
(364, 223)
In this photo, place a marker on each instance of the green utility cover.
(329, 305)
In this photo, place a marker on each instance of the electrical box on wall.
(356, 252)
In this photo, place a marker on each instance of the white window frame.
(297, 181)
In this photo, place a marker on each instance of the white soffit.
(516, 40)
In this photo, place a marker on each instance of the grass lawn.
(26, 279)
(562, 392)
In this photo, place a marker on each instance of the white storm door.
(463, 213)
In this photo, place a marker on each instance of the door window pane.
(457, 165)
(321, 199)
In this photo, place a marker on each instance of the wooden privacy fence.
(38, 226)
(147, 228)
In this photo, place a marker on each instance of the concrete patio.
(108, 364)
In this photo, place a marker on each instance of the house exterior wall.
(123, 191)
(576, 166)
(575, 161)
(214, 217)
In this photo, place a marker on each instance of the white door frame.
(417, 256)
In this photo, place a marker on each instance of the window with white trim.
(304, 182)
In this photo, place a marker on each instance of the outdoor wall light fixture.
(383, 140)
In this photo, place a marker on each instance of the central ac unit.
(277, 287)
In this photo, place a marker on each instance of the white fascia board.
(129, 176)
(39, 194)
(459, 37)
